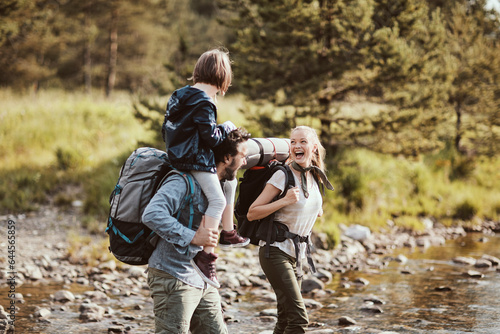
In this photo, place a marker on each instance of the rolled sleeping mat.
(263, 150)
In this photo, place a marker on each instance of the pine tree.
(475, 96)
(320, 56)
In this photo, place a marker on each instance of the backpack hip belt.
(297, 240)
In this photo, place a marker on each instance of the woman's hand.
(292, 196)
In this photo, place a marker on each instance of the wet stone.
(312, 304)
(374, 300)
(311, 284)
(464, 260)
(91, 312)
(42, 312)
(346, 321)
(483, 263)
(116, 329)
(63, 296)
(474, 274)
(494, 260)
(269, 312)
(371, 309)
(362, 281)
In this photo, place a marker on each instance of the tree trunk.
(87, 60)
(458, 127)
(113, 50)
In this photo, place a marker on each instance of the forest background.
(404, 94)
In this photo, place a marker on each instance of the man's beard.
(229, 172)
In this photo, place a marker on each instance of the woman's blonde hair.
(320, 153)
(214, 68)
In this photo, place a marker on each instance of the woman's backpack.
(251, 185)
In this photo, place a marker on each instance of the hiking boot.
(232, 239)
(204, 264)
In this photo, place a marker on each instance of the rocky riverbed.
(61, 290)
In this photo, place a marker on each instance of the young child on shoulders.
(190, 131)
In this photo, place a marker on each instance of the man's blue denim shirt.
(174, 249)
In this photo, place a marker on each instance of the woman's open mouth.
(299, 155)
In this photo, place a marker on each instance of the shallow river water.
(414, 301)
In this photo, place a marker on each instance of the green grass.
(60, 147)
(54, 139)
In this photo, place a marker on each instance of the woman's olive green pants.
(281, 271)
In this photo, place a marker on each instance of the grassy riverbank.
(58, 148)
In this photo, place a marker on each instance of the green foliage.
(101, 181)
(24, 189)
(68, 159)
(465, 210)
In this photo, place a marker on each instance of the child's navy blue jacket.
(190, 130)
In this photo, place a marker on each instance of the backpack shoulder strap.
(291, 179)
(188, 197)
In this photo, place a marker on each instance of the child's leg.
(229, 236)
(210, 185)
(227, 215)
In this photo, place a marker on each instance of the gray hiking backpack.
(141, 176)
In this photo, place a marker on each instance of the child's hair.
(214, 68)
(320, 153)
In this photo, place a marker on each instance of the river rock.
(371, 308)
(407, 271)
(136, 272)
(257, 281)
(311, 284)
(357, 232)
(108, 265)
(346, 321)
(19, 298)
(3, 314)
(91, 312)
(374, 300)
(324, 275)
(63, 296)
(6, 327)
(483, 263)
(312, 304)
(474, 274)
(319, 240)
(33, 272)
(494, 260)
(116, 329)
(362, 281)
(96, 295)
(464, 260)
(42, 312)
(269, 312)
(268, 318)
(401, 259)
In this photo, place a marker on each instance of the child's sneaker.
(232, 239)
(204, 264)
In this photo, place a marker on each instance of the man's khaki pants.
(179, 307)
